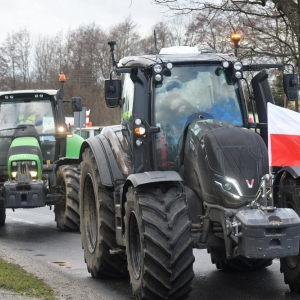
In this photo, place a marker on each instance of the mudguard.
(153, 176)
(110, 174)
(293, 170)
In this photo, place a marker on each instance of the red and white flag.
(283, 136)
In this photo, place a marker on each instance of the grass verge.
(16, 279)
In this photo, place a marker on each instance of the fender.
(110, 174)
(56, 165)
(136, 180)
(153, 176)
(294, 171)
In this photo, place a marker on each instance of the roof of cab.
(49, 92)
(175, 55)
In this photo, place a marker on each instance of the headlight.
(157, 72)
(140, 130)
(169, 66)
(237, 65)
(238, 75)
(33, 174)
(20, 166)
(157, 68)
(61, 129)
(225, 64)
(229, 186)
(158, 77)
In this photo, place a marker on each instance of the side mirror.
(290, 86)
(76, 104)
(113, 89)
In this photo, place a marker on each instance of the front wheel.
(290, 266)
(158, 242)
(67, 211)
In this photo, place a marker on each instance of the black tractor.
(185, 169)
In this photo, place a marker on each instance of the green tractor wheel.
(67, 211)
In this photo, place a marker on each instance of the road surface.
(30, 239)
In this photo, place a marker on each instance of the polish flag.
(283, 136)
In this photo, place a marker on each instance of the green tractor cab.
(39, 157)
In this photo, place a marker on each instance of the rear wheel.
(97, 224)
(67, 211)
(290, 266)
(158, 242)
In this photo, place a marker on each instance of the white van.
(88, 132)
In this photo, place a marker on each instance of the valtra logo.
(250, 185)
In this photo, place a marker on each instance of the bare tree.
(281, 15)
(46, 59)
(23, 48)
(10, 56)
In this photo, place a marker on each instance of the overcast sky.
(48, 17)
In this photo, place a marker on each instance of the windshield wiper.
(13, 128)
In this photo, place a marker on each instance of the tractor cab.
(28, 115)
(163, 94)
(184, 85)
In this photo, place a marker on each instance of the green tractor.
(39, 156)
(186, 169)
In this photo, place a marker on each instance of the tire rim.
(292, 261)
(89, 212)
(135, 246)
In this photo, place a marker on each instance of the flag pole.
(271, 187)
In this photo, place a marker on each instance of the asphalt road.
(30, 239)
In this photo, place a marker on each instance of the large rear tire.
(158, 242)
(290, 266)
(97, 224)
(67, 211)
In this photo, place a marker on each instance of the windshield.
(201, 89)
(36, 113)
(24, 112)
(191, 91)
